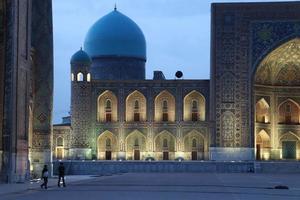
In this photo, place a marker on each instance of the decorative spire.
(115, 6)
(81, 48)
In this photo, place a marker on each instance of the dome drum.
(118, 68)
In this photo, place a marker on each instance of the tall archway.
(262, 111)
(164, 107)
(195, 146)
(276, 93)
(194, 107)
(289, 112)
(165, 146)
(289, 143)
(136, 107)
(107, 107)
(135, 145)
(107, 146)
(263, 145)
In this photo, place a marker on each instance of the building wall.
(242, 35)
(150, 131)
(276, 129)
(20, 93)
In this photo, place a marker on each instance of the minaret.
(80, 106)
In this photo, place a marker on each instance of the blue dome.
(81, 57)
(115, 35)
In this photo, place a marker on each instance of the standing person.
(61, 174)
(45, 177)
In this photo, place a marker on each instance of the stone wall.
(242, 35)
(107, 167)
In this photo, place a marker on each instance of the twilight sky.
(177, 33)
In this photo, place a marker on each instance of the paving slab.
(183, 186)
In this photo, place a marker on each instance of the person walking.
(61, 174)
(45, 175)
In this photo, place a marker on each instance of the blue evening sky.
(177, 34)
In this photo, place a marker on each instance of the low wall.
(112, 167)
(277, 167)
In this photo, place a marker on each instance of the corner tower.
(80, 106)
(117, 48)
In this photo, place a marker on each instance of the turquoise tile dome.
(115, 34)
(81, 57)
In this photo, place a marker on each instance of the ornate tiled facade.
(249, 109)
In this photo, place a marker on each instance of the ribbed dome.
(81, 57)
(115, 35)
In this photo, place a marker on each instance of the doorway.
(107, 155)
(258, 152)
(136, 154)
(165, 155)
(194, 155)
(289, 149)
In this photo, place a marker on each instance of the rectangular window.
(136, 117)
(108, 117)
(165, 155)
(194, 117)
(165, 117)
(288, 108)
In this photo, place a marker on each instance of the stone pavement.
(23, 187)
(183, 186)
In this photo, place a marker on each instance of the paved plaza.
(182, 186)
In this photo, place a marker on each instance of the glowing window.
(108, 110)
(136, 104)
(80, 76)
(108, 105)
(194, 106)
(194, 143)
(72, 77)
(165, 143)
(108, 142)
(88, 77)
(165, 106)
(59, 142)
(136, 142)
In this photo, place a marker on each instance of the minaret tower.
(80, 106)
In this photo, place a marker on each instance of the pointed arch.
(80, 77)
(194, 106)
(135, 143)
(290, 145)
(262, 111)
(106, 114)
(59, 150)
(289, 136)
(159, 141)
(164, 107)
(289, 112)
(136, 107)
(228, 128)
(263, 145)
(107, 142)
(188, 141)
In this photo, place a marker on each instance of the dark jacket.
(61, 170)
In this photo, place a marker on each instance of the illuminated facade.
(249, 109)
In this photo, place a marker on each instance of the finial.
(115, 6)
(81, 48)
